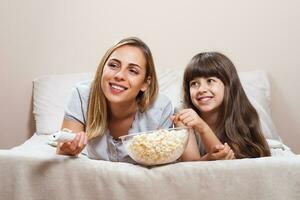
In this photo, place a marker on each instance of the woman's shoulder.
(161, 101)
(83, 87)
(157, 116)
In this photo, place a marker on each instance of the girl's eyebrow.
(130, 64)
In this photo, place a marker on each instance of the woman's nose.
(120, 75)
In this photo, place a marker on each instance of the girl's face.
(124, 75)
(207, 94)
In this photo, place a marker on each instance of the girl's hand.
(74, 147)
(189, 118)
(220, 152)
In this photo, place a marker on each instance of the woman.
(122, 99)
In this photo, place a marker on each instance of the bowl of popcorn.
(156, 147)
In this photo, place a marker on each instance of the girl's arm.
(216, 150)
(191, 152)
(189, 118)
(219, 152)
(75, 146)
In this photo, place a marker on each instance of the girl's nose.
(202, 88)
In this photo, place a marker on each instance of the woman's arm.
(75, 146)
(72, 125)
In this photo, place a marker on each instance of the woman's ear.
(146, 84)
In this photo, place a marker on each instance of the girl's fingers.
(187, 120)
(216, 148)
(186, 115)
(183, 113)
(220, 155)
(229, 156)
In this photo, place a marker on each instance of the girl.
(122, 99)
(219, 111)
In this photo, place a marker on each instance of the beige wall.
(45, 37)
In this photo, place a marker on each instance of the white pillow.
(51, 94)
(257, 87)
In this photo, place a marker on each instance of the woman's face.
(124, 75)
(207, 94)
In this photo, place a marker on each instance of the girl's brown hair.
(238, 122)
(97, 107)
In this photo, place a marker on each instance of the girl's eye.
(194, 84)
(210, 80)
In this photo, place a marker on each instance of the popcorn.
(158, 147)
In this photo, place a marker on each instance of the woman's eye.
(112, 65)
(134, 71)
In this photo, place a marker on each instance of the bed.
(33, 170)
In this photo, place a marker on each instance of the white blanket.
(34, 171)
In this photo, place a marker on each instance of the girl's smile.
(204, 99)
(207, 94)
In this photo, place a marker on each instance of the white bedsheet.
(34, 171)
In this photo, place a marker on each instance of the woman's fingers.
(79, 142)
(75, 142)
(75, 146)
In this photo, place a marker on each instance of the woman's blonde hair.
(97, 119)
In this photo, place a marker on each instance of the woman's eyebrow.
(129, 64)
(134, 65)
(114, 59)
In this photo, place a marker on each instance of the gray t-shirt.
(106, 147)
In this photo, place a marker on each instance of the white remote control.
(62, 136)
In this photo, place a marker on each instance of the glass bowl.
(156, 147)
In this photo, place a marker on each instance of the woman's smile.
(117, 88)
(124, 75)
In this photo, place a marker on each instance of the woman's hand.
(74, 147)
(219, 152)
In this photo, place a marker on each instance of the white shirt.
(106, 147)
